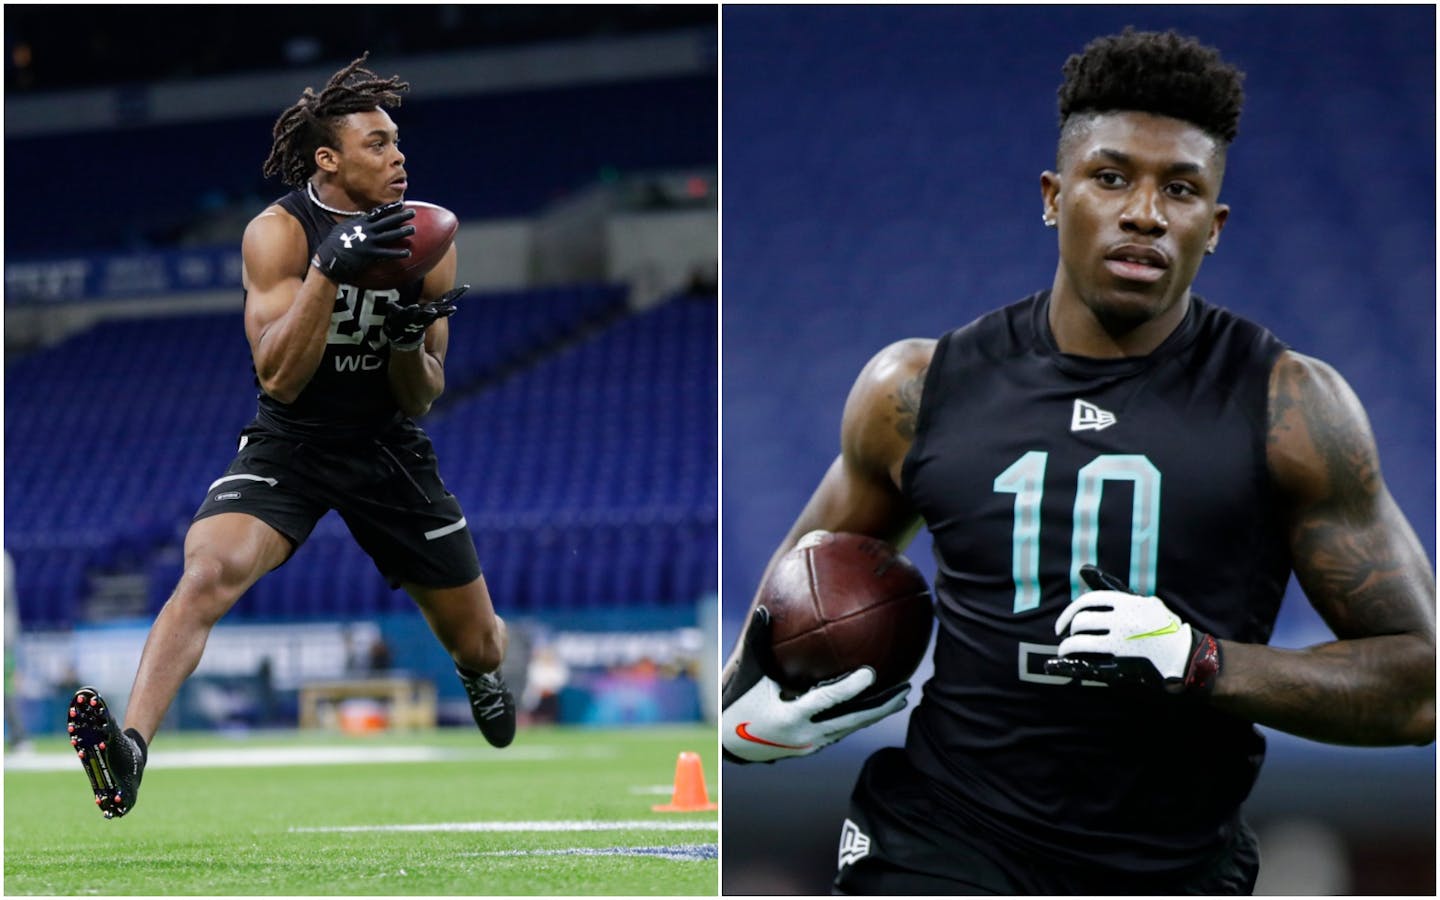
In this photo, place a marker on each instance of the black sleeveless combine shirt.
(349, 395)
(1028, 463)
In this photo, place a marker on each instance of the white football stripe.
(310, 756)
(678, 853)
(636, 825)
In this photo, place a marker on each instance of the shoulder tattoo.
(1342, 539)
(1336, 430)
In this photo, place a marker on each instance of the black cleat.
(492, 706)
(113, 760)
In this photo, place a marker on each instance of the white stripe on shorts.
(219, 481)
(448, 529)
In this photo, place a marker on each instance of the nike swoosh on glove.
(1125, 639)
(758, 725)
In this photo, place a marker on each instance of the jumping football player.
(342, 371)
(1100, 666)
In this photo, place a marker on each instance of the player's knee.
(206, 589)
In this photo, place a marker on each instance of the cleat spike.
(81, 751)
(94, 702)
(100, 746)
(99, 800)
(72, 712)
(70, 728)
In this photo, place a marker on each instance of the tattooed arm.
(861, 490)
(1360, 565)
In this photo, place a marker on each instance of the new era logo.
(1089, 417)
(854, 844)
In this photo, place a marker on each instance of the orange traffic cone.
(689, 794)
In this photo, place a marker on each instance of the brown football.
(435, 228)
(839, 601)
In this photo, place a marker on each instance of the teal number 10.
(1025, 478)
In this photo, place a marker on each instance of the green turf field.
(562, 811)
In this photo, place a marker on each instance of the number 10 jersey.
(1029, 463)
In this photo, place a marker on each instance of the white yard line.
(309, 756)
(562, 825)
(678, 852)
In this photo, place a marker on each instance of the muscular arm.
(417, 376)
(860, 492)
(1362, 568)
(288, 304)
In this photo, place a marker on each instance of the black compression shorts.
(387, 489)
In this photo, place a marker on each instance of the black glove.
(405, 325)
(754, 662)
(354, 244)
(1124, 639)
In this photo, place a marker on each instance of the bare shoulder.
(272, 224)
(273, 247)
(884, 404)
(1319, 445)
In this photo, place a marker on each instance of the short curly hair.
(310, 123)
(1164, 73)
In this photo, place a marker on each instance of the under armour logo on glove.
(355, 244)
(359, 235)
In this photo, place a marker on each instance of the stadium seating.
(454, 158)
(580, 439)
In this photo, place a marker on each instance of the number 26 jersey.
(349, 395)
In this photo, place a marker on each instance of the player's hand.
(354, 244)
(758, 725)
(1123, 639)
(405, 325)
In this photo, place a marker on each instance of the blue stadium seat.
(601, 426)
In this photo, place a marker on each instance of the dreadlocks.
(1162, 73)
(310, 123)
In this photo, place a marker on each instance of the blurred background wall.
(577, 146)
(882, 181)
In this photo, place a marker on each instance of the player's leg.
(224, 555)
(415, 531)
(261, 511)
(464, 620)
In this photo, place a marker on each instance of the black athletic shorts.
(387, 489)
(902, 838)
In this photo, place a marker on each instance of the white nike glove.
(758, 725)
(1121, 638)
